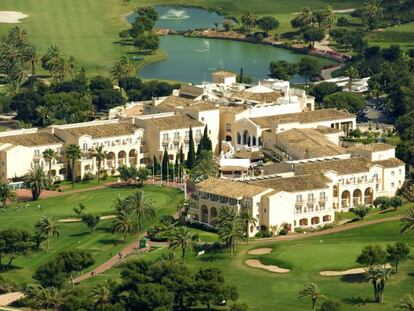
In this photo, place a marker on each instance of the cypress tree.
(176, 166)
(164, 165)
(207, 144)
(155, 165)
(181, 156)
(191, 151)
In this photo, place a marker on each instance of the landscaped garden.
(75, 235)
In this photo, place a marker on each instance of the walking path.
(326, 74)
(8, 298)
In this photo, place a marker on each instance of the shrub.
(198, 247)
(88, 176)
(331, 305)
(360, 211)
(283, 231)
(299, 229)
(342, 21)
(104, 175)
(264, 234)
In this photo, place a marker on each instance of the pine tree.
(191, 151)
(164, 165)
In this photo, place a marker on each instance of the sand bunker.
(254, 263)
(7, 299)
(347, 272)
(69, 220)
(11, 17)
(343, 11)
(260, 251)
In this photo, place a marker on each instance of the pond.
(194, 59)
(183, 18)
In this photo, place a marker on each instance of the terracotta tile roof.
(174, 102)
(252, 155)
(229, 188)
(173, 122)
(268, 97)
(375, 147)
(303, 117)
(232, 109)
(328, 130)
(308, 142)
(342, 167)
(277, 168)
(294, 184)
(224, 74)
(104, 130)
(393, 162)
(31, 139)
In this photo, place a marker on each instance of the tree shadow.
(104, 229)
(80, 234)
(212, 256)
(110, 241)
(9, 268)
(411, 274)
(353, 278)
(357, 300)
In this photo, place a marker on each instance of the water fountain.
(206, 45)
(175, 14)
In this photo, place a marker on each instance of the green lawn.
(306, 258)
(402, 35)
(75, 235)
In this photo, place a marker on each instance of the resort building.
(300, 201)
(304, 144)
(22, 151)
(168, 131)
(249, 130)
(121, 140)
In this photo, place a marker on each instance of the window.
(322, 206)
(392, 173)
(400, 171)
(202, 118)
(265, 210)
(228, 127)
(177, 135)
(298, 198)
(85, 146)
(198, 133)
(392, 185)
(165, 136)
(310, 197)
(37, 153)
(322, 195)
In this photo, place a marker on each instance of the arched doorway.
(121, 158)
(315, 220)
(326, 218)
(133, 157)
(357, 197)
(303, 222)
(346, 199)
(204, 214)
(62, 171)
(368, 196)
(245, 137)
(254, 141)
(213, 215)
(239, 138)
(110, 160)
(228, 138)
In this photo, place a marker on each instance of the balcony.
(322, 200)
(311, 202)
(177, 138)
(197, 138)
(299, 203)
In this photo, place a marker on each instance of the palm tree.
(329, 18)
(230, 228)
(311, 290)
(205, 167)
(248, 221)
(123, 68)
(352, 74)
(125, 223)
(73, 153)
(44, 298)
(43, 113)
(408, 221)
(18, 37)
(180, 237)
(6, 193)
(406, 303)
(141, 206)
(249, 19)
(372, 12)
(306, 17)
(100, 155)
(47, 228)
(378, 275)
(183, 208)
(49, 155)
(36, 181)
(101, 296)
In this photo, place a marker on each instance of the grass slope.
(75, 235)
(263, 290)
